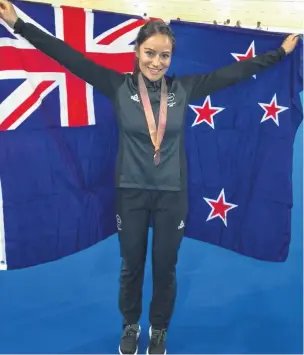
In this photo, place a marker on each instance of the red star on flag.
(272, 110)
(205, 113)
(219, 207)
(248, 55)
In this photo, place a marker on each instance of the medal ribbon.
(156, 135)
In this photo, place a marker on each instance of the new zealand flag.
(58, 139)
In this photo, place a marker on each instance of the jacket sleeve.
(103, 79)
(205, 84)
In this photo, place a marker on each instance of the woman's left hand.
(290, 43)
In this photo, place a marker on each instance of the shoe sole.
(150, 334)
(136, 352)
(150, 354)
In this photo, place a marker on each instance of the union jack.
(20, 60)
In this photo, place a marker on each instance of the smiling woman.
(151, 170)
(154, 47)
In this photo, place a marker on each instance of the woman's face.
(154, 56)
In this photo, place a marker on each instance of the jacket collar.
(154, 85)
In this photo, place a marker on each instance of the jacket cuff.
(18, 25)
(281, 52)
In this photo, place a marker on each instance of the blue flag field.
(58, 139)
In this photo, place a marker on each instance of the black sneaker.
(129, 339)
(157, 341)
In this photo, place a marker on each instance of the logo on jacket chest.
(171, 99)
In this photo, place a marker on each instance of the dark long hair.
(150, 29)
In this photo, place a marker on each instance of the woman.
(151, 164)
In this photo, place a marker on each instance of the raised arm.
(103, 79)
(205, 84)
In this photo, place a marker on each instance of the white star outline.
(268, 117)
(231, 206)
(207, 101)
(251, 47)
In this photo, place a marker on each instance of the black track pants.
(168, 211)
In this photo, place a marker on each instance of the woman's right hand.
(8, 13)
